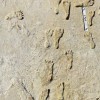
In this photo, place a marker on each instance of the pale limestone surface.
(44, 55)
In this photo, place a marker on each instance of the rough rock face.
(45, 53)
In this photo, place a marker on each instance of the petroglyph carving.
(17, 14)
(69, 57)
(89, 38)
(66, 6)
(85, 3)
(44, 94)
(48, 35)
(48, 73)
(59, 92)
(57, 34)
(91, 14)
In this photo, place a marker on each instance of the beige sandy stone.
(56, 4)
(17, 14)
(17, 92)
(44, 95)
(99, 11)
(86, 3)
(69, 58)
(48, 35)
(10, 16)
(2, 97)
(89, 38)
(68, 93)
(57, 34)
(59, 92)
(66, 6)
(72, 67)
(48, 73)
(91, 15)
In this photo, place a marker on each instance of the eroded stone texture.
(67, 5)
(59, 92)
(44, 56)
(57, 34)
(69, 57)
(99, 11)
(17, 91)
(91, 14)
(52, 37)
(48, 41)
(68, 93)
(17, 14)
(48, 73)
(89, 38)
(56, 4)
(44, 94)
(86, 3)
(2, 97)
